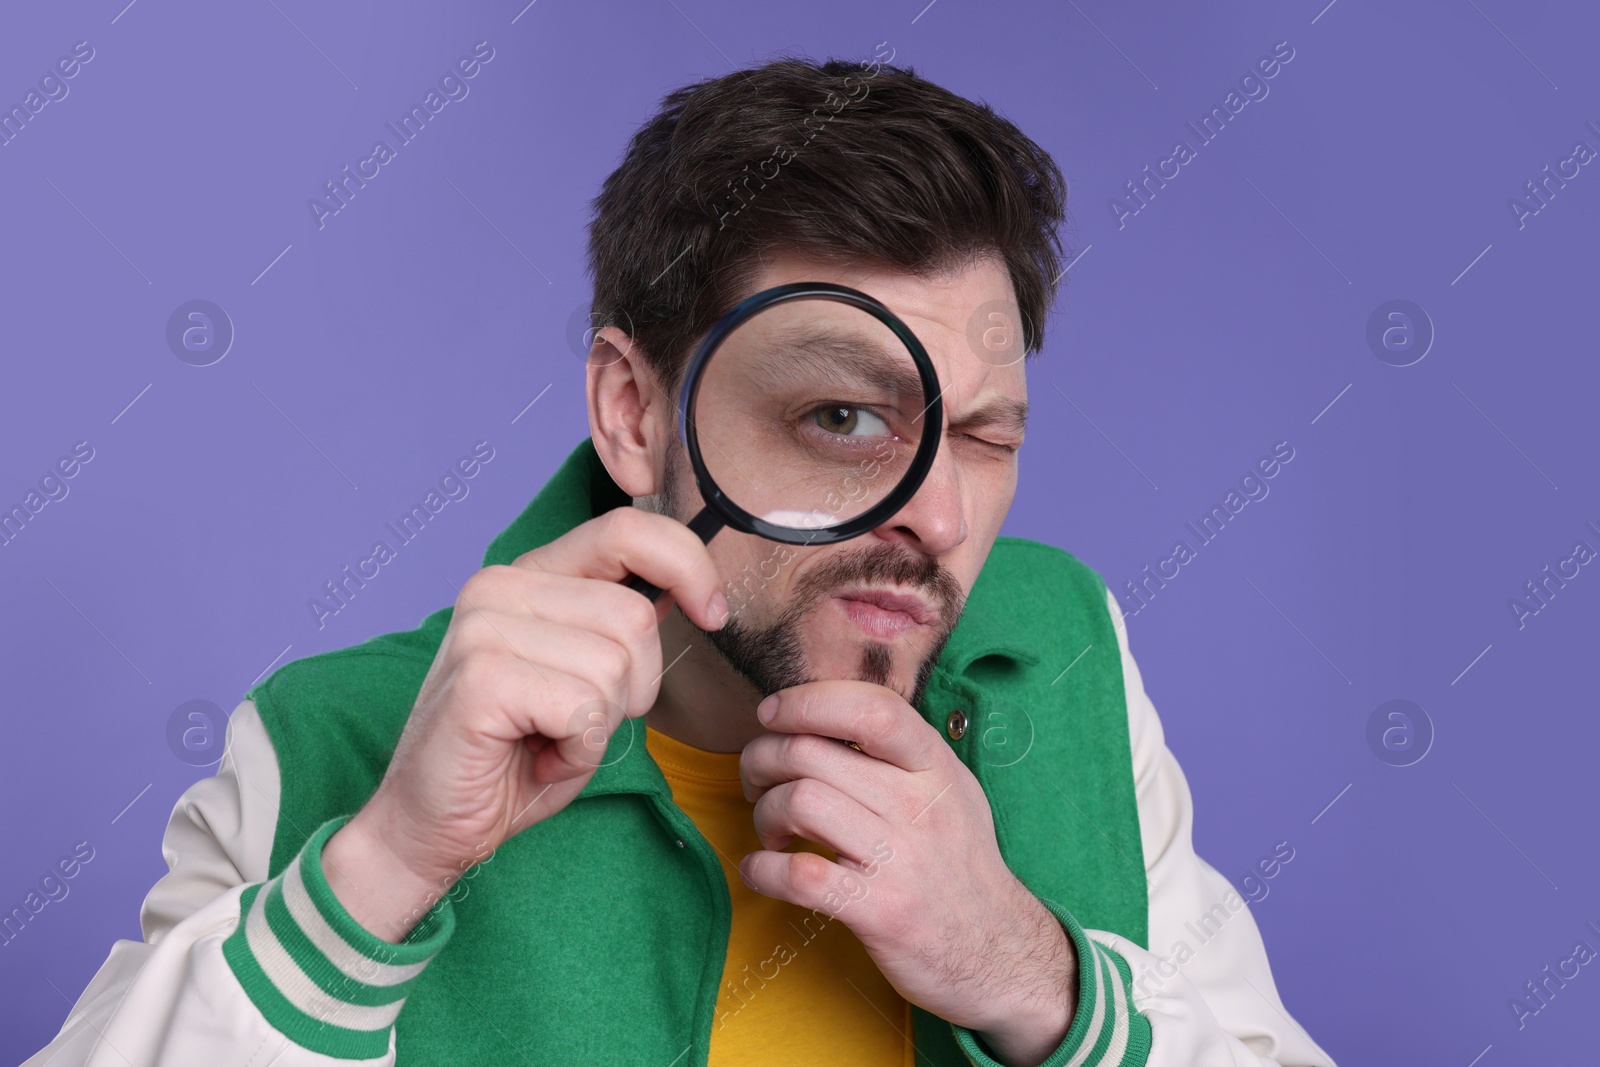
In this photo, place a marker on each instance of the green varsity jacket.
(599, 935)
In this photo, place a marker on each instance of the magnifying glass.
(811, 414)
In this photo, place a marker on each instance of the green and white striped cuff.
(318, 976)
(1106, 1030)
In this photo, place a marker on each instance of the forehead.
(967, 319)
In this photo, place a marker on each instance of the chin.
(835, 648)
(897, 666)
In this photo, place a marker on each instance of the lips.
(920, 611)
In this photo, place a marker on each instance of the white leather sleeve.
(1219, 1007)
(174, 1000)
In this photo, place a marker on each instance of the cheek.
(988, 491)
(755, 573)
(988, 499)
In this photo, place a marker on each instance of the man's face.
(802, 613)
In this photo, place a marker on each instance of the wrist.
(382, 891)
(1033, 1025)
(1029, 1037)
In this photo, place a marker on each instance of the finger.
(592, 725)
(563, 719)
(623, 674)
(573, 730)
(773, 759)
(822, 813)
(630, 620)
(630, 541)
(806, 879)
(579, 604)
(875, 717)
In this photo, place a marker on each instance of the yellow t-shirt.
(797, 988)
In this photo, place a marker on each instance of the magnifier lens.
(809, 413)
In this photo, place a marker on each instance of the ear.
(630, 417)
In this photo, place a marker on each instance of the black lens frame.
(723, 511)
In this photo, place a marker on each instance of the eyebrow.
(820, 350)
(1004, 412)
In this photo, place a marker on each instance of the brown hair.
(842, 161)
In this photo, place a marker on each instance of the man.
(559, 824)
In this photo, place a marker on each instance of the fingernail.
(767, 708)
(717, 609)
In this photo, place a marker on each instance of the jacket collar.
(581, 488)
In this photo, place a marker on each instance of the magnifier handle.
(705, 525)
(637, 583)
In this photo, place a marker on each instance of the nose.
(934, 520)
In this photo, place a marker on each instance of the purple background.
(1227, 315)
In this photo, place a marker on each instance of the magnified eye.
(848, 420)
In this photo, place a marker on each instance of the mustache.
(882, 564)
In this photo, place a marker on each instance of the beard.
(771, 657)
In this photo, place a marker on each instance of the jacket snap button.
(680, 842)
(957, 724)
